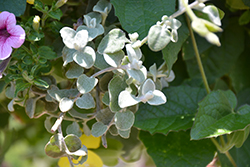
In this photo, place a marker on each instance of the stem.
(204, 78)
(216, 143)
(230, 159)
(105, 70)
(63, 142)
(58, 122)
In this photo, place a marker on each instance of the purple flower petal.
(11, 35)
(5, 51)
(17, 36)
(7, 20)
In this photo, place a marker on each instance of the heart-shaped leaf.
(85, 57)
(124, 120)
(86, 101)
(158, 37)
(113, 42)
(85, 84)
(98, 129)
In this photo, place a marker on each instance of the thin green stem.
(222, 141)
(217, 145)
(204, 78)
(230, 159)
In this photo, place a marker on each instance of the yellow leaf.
(90, 142)
(93, 161)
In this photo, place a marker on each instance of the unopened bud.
(36, 23)
(212, 38)
(60, 3)
(212, 27)
(199, 27)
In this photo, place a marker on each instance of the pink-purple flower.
(11, 35)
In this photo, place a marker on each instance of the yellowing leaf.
(30, 2)
(93, 161)
(90, 142)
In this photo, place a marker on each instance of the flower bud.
(30, 2)
(60, 3)
(212, 38)
(36, 23)
(199, 27)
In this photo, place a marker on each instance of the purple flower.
(11, 35)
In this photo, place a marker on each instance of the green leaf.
(41, 83)
(116, 85)
(246, 2)
(170, 52)
(158, 37)
(139, 75)
(85, 57)
(139, 16)
(240, 155)
(74, 128)
(92, 32)
(17, 7)
(30, 107)
(56, 14)
(176, 149)
(105, 116)
(74, 72)
(53, 151)
(114, 59)
(46, 52)
(100, 62)
(59, 94)
(86, 101)
(73, 142)
(240, 72)
(177, 114)
(216, 116)
(85, 84)
(124, 120)
(237, 4)
(124, 133)
(20, 86)
(113, 42)
(216, 66)
(245, 18)
(98, 129)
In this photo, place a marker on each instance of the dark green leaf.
(240, 72)
(246, 2)
(17, 7)
(46, 52)
(139, 16)
(216, 116)
(57, 14)
(20, 86)
(176, 149)
(177, 114)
